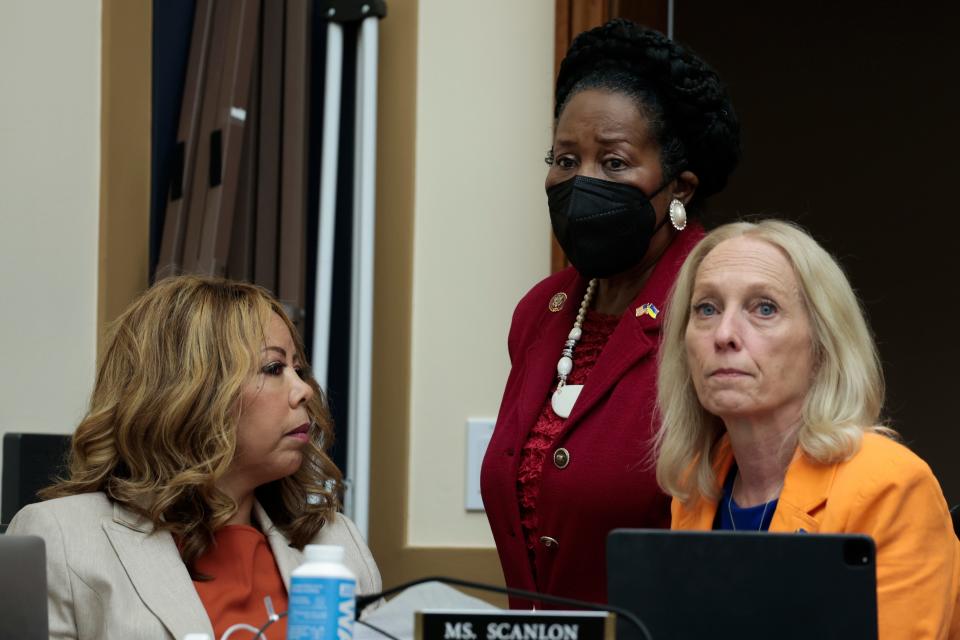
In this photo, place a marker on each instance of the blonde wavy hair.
(847, 391)
(162, 424)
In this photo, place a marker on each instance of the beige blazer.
(110, 577)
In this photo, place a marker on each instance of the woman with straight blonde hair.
(770, 391)
(198, 475)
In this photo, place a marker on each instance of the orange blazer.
(888, 493)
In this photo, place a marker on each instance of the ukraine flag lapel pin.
(648, 309)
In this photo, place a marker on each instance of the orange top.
(244, 571)
(888, 493)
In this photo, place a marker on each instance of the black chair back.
(31, 461)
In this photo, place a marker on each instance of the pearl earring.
(678, 215)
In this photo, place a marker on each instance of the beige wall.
(49, 201)
(481, 234)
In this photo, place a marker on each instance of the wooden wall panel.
(124, 247)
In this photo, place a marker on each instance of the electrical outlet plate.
(479, 431)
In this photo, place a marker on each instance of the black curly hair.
(683, 99)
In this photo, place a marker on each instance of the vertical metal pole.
(361, 344)
(670, 15)
(328, 203)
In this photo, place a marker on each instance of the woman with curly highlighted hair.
(644, 131)
(198, 475)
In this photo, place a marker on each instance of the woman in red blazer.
(644, 130)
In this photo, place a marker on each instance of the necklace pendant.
(564, 398)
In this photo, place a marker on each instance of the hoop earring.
(678, 215)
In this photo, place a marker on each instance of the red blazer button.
(561, 458)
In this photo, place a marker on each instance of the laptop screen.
(23, 588)
(721, 584)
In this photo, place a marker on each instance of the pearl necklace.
(566, 394)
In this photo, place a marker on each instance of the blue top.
(748, 519)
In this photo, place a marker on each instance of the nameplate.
(449, 624)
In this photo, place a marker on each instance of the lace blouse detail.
(597, 328)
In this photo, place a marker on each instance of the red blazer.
(609, 481)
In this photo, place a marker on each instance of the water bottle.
(322, 601)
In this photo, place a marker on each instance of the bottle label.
(321, 608)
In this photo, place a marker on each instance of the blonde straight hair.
(162, 423)
(845, 397)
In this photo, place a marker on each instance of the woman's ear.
(685, 186)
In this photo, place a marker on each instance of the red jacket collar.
(657, 289)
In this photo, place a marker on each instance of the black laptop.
(743, 585)
(23, 588)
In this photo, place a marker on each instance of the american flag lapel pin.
(648, 309)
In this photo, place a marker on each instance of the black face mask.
(603, 227)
